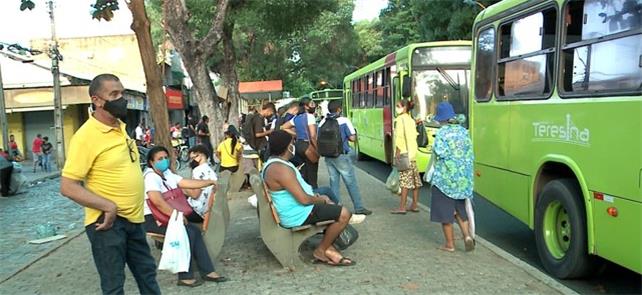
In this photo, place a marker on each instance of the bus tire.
(560, 230)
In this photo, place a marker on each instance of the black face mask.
(117, 108)
(311, 110)
(193, 164)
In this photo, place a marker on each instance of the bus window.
(484, 62)
(589, 66)
(388, 90)
(526, 61)
(434, 86)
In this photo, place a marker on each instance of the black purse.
(422, 138)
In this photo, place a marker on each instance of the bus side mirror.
(405, 88)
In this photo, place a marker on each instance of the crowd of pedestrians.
(102, 173)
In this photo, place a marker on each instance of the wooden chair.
(215, 221)
(284, 243)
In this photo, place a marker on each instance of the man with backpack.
(254, 129)
(334, 134)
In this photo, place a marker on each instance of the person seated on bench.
(296, 204)
(202, 170)
(159, 179)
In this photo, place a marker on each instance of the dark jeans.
(5, 180)
(310, 170)
(196, 244)
(124, 243)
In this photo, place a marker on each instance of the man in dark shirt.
(47, 148)
(259, 142)
(203, 133)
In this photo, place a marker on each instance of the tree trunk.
(229, 75)
(208, 102)
(194, 53)
(155, 94)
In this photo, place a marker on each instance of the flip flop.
(343, 262)
(469, 243)
(442, 248)
(398, 212)
(414, 210)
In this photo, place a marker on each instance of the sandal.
(344, 261)
(469, 243)
(415, 210)
(398, 212)
(192, 285)
(442, 248)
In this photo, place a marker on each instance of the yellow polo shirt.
(99, 155)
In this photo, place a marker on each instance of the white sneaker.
(357, 218)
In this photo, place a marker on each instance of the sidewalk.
(39, 175)
(395, 255)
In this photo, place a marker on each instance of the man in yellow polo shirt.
(103, 157)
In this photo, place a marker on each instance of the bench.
(284, 243)
(215, 221)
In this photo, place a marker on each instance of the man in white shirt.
(140, 132)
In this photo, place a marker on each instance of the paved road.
(515, 237)
(395, 254)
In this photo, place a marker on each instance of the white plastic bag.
(176, 254)
(471, 217)
(253, 200)
(430, 169)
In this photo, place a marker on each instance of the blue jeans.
(124, 243)
(342, 166)
(46, 165)
(324, 190)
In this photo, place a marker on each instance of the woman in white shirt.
(201, 170)
(158, 180)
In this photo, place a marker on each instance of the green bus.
(556, 123)
(323, 97)
(427, 73)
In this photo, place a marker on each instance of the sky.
(73, 19)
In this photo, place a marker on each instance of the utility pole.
(55, 70)
(3, 115)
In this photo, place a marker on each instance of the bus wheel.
(560, 230)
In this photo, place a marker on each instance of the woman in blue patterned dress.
(453, 177)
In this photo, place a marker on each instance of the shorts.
(443, 208)
(323, 212)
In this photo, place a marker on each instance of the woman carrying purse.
(405, 153)
(159, 182)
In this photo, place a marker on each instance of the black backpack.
(329, 140)
(248, 129)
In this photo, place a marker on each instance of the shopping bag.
(392, 183)
(471, 217)
(346, 238)
(176, 254)
(430, 169)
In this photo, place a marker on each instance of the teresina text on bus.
(568, 132)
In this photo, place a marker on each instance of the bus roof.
(499, 7)
(402, 54)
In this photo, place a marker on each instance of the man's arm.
(73, 190)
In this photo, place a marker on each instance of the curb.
(534, 272)
(72, 235)
(42, 178)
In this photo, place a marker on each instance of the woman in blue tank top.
(295, 201)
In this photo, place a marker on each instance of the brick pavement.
(395, 255)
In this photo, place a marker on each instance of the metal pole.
(58, 118)
(3, 117)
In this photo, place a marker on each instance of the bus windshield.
(436, 85)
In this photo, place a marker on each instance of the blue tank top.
(290, 211)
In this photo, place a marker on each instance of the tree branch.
(216, 31)
(175, 23)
